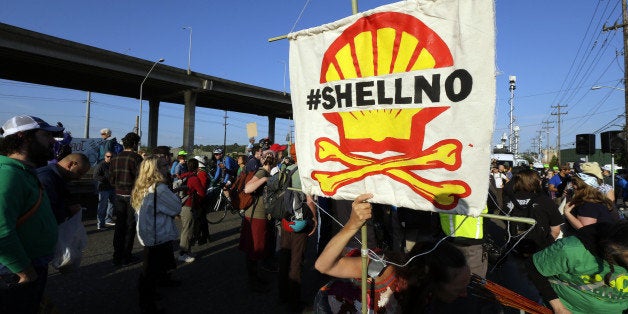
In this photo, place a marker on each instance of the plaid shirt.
(123, 171)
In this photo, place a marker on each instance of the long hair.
(614, 246)
(148, 176)
(192, 165)
(427, 272)
(268, 158)
(527, 181)
(585, 193)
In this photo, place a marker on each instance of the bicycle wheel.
(218, 211)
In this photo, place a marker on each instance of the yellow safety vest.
(462, 226)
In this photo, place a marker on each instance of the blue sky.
(555, 48)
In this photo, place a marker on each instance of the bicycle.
(217, 211)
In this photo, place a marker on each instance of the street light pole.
(139, 124)
(189, 50)
(512, 86)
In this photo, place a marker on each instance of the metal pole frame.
(189, 50)
(139, 123)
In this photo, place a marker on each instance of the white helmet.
(201, 161)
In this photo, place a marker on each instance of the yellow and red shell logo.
(375, 45)
(384, 43)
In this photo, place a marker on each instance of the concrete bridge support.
(271, 128)
(153, 122)
(189, 117)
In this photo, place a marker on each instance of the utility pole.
(558, 114)
(547, 127)
(224, 143)
(535, 144)
(540, 151)
(625, 31)
(87, 106)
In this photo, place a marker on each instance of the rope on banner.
(354, 10)
(293, 26)
(376, 257)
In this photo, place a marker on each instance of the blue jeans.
(105, 207)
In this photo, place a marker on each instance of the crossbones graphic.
(445, 154)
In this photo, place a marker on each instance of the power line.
(558, 114)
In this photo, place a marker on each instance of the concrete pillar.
(271, 128)
(153, 122)
(189, 118)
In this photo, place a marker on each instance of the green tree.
(553, 162)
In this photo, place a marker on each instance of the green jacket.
(37, 237)
(577, 278)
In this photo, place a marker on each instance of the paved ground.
(214, 283)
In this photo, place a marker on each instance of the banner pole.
(365, 261)
(277, 38)
(364, 251)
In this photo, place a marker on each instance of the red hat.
(277, 148)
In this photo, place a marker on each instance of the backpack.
(276, 197)
(239, 199)
(117, 147)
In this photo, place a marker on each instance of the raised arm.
(331, 261)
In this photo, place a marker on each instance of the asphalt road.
(214, 283)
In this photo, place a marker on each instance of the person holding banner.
(439, 272)
(248, 151)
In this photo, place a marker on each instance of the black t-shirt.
(598, 211)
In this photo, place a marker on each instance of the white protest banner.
(87, 146)
(398, 101)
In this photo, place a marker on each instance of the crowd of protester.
(574, 259)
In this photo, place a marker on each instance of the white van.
(504, 158)
(522, 162)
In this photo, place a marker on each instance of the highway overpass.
(33, 57)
